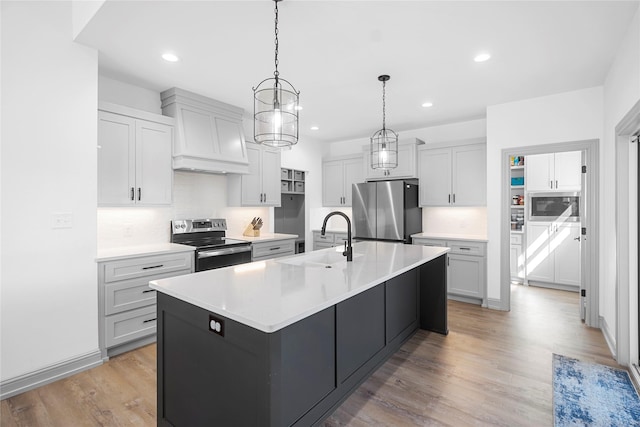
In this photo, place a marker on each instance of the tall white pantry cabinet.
(548, 250)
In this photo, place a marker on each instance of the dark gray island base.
(298, 375)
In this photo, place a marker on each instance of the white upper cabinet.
(554, 171)
(134, 157)
(453, 176)
(210, 134)
(338, 176)
(261, 186)
(407, 162)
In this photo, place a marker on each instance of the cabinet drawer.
(273, 249)
(327, 238)
(340, 238)
(124, 327)
(516, 239)
(321, 245)
(429, 242)
(147, 266)
(131, 294)
(467, 248)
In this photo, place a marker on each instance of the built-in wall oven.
(213, 248)
(553, 207)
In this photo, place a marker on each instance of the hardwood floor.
(494, 368)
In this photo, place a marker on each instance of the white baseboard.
(47, 375)
(608, 336)
(495, 304)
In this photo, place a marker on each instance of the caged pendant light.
(384, 143)
(275, 107)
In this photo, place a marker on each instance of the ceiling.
(333, 52)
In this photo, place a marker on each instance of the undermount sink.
(322, 259)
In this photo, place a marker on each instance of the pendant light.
(275, 107)
(384, 143)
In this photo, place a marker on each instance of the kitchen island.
(285, 341)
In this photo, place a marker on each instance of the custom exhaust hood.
(209, 134)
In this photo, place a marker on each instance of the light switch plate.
(62, 220)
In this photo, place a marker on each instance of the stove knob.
(183, 226)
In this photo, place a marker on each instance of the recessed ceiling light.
(427, 104)
(314, 128)
(481, 57)
(170, 57)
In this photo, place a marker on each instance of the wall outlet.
(62, 220)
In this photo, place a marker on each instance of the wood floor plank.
(493, 369)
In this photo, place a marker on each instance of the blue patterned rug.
(589, 394)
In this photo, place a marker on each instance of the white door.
(435, 177)
(353, 174)
(469, 176)
(154, 172)
(566, 241)
(539, 258)
(333, 183)
(271, 177)
(538, 172)
(116, 159)
(568, 171)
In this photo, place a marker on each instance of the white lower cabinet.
(331, 239)
(466, 268)
(272, 249)
(127, 305)
(553, 253)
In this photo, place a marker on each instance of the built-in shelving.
(292, 181)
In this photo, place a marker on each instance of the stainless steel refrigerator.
(386, 210)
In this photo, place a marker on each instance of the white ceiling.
(333, 52)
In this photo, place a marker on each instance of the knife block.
(250, 232)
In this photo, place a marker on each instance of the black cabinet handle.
(449, 199)
(153, 266)
(139, 193)
(133, 193)
(149, 320)
(465, 249)
(454, 197)
(274, 249)
(148, 290)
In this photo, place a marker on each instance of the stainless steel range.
(214, 250)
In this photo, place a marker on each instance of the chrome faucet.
(348, 250)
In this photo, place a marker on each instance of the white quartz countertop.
(452, 236)
(111, 254)
(264, 237)
(270, 295)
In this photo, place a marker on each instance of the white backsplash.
(195, 195)
(458, 220)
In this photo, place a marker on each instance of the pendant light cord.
(384, 83)
(276, 73)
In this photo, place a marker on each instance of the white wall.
(49, 137)
(621, 92)
(570, 116)
(122, 93)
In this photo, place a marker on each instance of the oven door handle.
(224, 251)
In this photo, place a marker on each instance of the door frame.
(626, 339)
(590, 272)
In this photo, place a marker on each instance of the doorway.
(627, 338)
(588, 230)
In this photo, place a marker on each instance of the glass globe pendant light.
(275, 107)
(384, 143)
